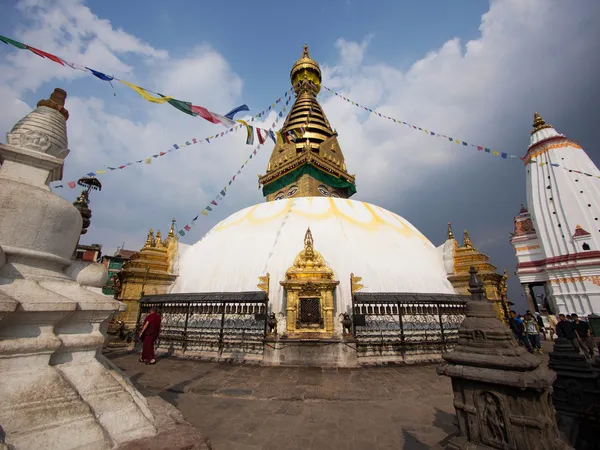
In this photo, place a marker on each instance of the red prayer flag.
(479, 147)
(213, 203)
(43, 54)
(162, 153)
(187, 228)
(121, 167)
(204, 113)
(72, 184)
(194, 141)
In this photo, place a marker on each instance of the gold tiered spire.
(450, 234)
(310, 164)
(539, 123)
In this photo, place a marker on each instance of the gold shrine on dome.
(309, 285)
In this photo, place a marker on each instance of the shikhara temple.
(557, 236)
(323, 278)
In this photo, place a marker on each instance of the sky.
(470, 69)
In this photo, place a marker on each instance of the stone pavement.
(254, 407)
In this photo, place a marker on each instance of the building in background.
(557, 235)
(91, 252)
(458, 259)
(114, 264)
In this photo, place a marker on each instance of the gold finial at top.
(466, 239)
(158, 239)
(450, 234)
(172, 230)
(539, 123)
(578, 227)
(305, 53)
(308, 243)
(502, 287)
(57, 102)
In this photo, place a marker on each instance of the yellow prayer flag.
(426, 131)
(148, 160)
(100, 172)
(458, 141)
(204, 212)
(542, 164)
(143, 93)
(495, 153)
(246, 162)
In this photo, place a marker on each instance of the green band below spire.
(307, 169)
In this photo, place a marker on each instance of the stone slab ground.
(254, 407)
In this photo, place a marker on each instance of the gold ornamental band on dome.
(547, 147)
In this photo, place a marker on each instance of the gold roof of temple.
(315, 142)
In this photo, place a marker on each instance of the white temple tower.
(557, 236)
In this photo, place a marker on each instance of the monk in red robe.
(149, 334)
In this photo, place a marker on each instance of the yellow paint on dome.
(359, 214)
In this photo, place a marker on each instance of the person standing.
(582, 332)
(540, 323)
(516, 325)
(564, 329)
(149, 334)
(533, 332)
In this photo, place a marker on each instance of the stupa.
(557, 235)
(309, 245)
(57, 390)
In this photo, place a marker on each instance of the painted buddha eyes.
(323, 190)
(292, 191)
(280, 196)
(335, 195)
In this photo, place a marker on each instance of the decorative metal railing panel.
(395, 322)
(222, 323)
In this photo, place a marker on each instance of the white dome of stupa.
(388, 252)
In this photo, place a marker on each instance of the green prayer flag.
(185, 107)
(13, 43)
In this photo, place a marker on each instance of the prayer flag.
(43, 54)
(71, 184)
(464, 143)
(111, 168)
(100, 172)
(495, 153)
(213, 203)
(272, 136)
(187, 228)
(555, 165)
(148, 160)
(13, 43)
(504, 155)
(457, 141)
(184, 107)
(181, 232)
(223, 192)
(208, 208)
(175, 146)
(194, 219)
(261, 138)
(194, 141)
(100, 75)
(219, 197)
(234, 111)
(479, 147)
(91, 174)
(254, 152)
(204, 213)
(487, 150)
(145, 95)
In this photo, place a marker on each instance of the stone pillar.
(576, 395)
(501, 392)
(57, 390)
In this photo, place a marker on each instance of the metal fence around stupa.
(210, 324)
(394, 323)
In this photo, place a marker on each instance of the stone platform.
(254, 407)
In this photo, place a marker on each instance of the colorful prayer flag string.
(148, 160)
(428, 132)
(183, 106)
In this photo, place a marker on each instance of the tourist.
(533, 332)
(518, 329)
(540, 323)
(564, 329)
(553, 321)
(149, 334)
(582, 331)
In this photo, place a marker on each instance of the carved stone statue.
(272, 323)
(492, 419)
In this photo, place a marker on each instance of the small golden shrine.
(467, 256)
(148, 272)
(309, 285)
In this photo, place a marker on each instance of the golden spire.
(538, 123)
(158, 240)
(450, 234)
(306, 73)
(466, 239)
(150, 238)
(308, 244)
(172, 230)
(502, 287)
